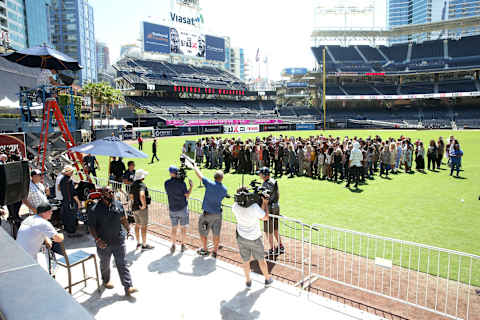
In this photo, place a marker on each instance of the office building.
(236, 62)
(38, 22)
(12, 20)
(411, 12)
(103, 57)
(73, 33)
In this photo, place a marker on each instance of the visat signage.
(186, 20)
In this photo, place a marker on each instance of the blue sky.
(281, 29)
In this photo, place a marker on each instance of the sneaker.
(172, 249)
(281, 250)
(183, 248)
(108, 285)
(269, 253)
(202, 252)
(248, 284)
(147, 247)
(214, 255)
(268, 282)
(130, 291)
(138, 246)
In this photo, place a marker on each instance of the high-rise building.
(38, 22)
(126, 49)
(406, 12)
(463, 9)
(73, 33)
(12, 20)
(236, 63)
(103, 57)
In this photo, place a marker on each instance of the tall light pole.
(323, 93)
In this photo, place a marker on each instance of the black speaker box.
(14, 182)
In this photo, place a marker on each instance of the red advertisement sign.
(13, 142)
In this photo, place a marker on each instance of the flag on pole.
(257, 58)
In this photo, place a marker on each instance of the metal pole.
(324, 88)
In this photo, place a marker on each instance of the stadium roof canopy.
(397, 31)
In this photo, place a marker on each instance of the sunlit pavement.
(186, 286)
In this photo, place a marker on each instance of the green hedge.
(64, 101)
(9, 115)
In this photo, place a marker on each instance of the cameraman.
(178, 205)
(249, 236)
(271, 226)
(211, 218)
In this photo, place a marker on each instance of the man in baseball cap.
(140, 200)
(270, 227)
(178, 194)
(35, 230)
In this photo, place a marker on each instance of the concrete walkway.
(186, 286)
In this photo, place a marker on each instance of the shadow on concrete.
(132, 256)
(95, 302)
(240, 306)
(167, 263)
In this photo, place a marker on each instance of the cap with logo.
(35, 172)
(265, 171)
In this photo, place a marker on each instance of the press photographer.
(270, 227)
(177, 203)
(249, 235)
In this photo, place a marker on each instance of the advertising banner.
(156, 38)
(269, 127)
(186, 42)
(13, 143)
(163, 39)
(157, 133)
(215, 48)
(188, 131)
(283, 127)
(294, 71)
(215, 129)
(241, 128)
(127, 135)
(305, 126)
(297, 84)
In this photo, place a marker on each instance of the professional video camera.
(246, 197)
(185, 162)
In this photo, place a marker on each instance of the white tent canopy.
(111, 122)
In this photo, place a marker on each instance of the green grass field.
(432, 208)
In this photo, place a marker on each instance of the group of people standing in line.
(327, 157)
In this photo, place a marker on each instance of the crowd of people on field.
(327, 157)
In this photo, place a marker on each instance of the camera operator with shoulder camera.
(178, 203)
(211, 218)
(270, 227)
(249, 235)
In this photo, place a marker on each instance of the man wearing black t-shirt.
(129, 175)
(140, 199)
(109, 226)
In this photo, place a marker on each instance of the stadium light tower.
(343, 15)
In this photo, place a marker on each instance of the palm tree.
(104, 95)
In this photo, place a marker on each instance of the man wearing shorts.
(270, 227)
(140, 201)
(249, 237)
(178, 205)
(211, 219)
